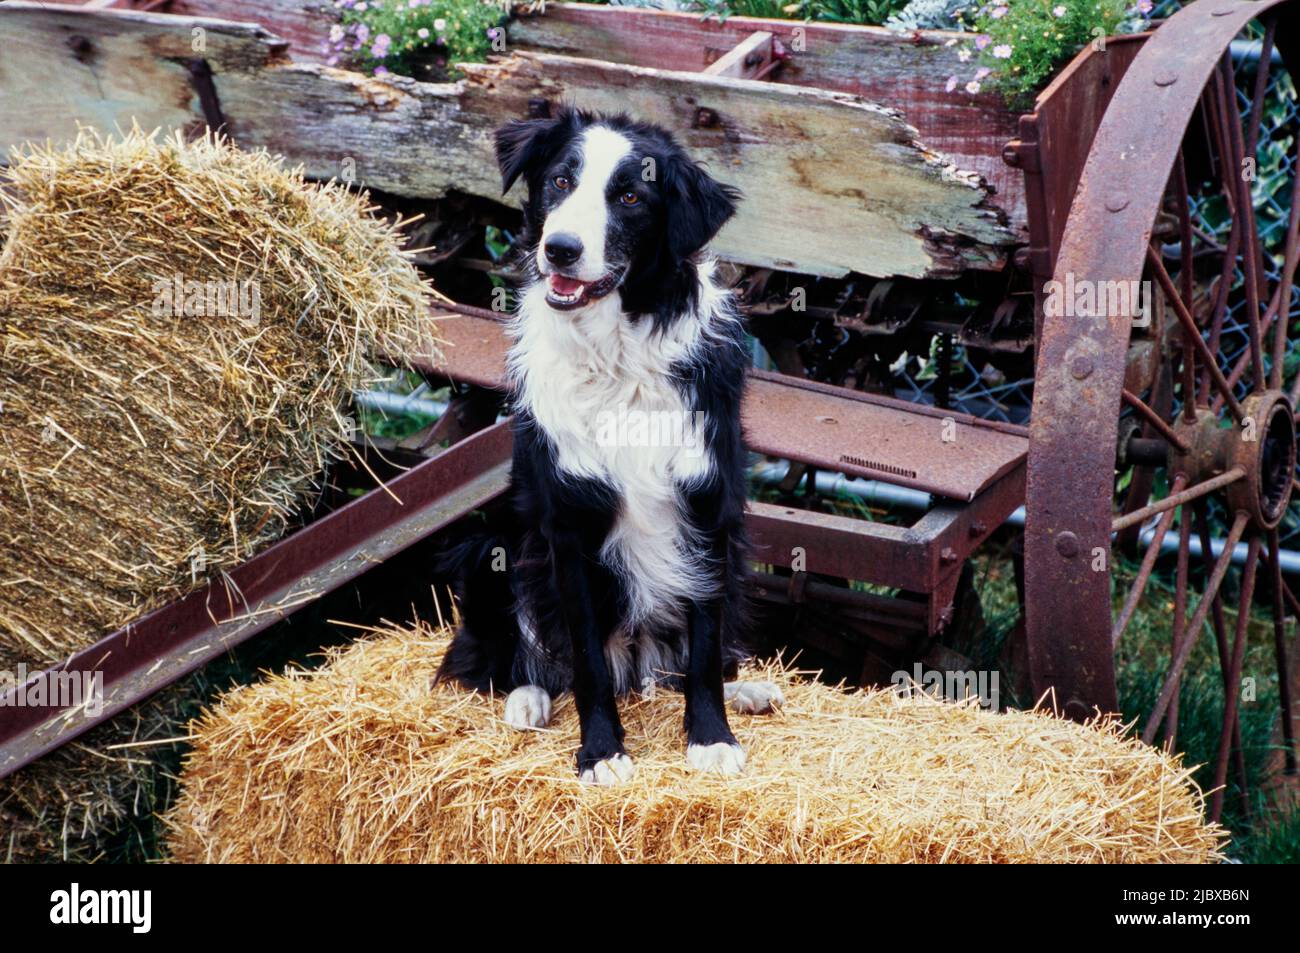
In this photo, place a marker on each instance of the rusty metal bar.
(1194, 628)
(1232, 688)
(1148, 564)
(1280, 652)
(1177, 499)
(1193, 333)
(1154, 419)
(173, 641)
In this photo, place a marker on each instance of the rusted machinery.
(1183, 406)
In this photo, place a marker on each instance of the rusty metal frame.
(173, 641)
(1081, 361)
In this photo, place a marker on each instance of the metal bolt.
(1011, 153)
(1167, 78)
(1117, 202)
(948, 556)
(1067, 544)
(1081, 367)
(978, 528)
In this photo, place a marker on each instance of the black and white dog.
(626, 370)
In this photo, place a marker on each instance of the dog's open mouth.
(565, 293)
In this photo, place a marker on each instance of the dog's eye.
(629, 198)
(561, 182)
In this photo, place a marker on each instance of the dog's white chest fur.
(602, 388)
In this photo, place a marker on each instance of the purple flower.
(982, 41)
(380, 48)
(951, 84)
(1144, 6)
(381, 71)
(998, 13)
(982, 72)
(363, 32)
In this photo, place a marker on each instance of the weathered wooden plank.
(905, 71)
(745, 59)
(833, 183)
(305, 24)
(64, 66)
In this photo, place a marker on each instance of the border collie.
(625, 566)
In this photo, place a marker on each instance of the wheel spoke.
(1148, 564)
(1232, 687)
(1177, 499)
(1154, 419)
(1283, 293)
(1279, 649)
(1180, 621)
(1194, 628)
(1192, 332)
(1217, 624)
(1245, 212)
(1261, 85)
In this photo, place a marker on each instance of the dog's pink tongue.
(563, 285)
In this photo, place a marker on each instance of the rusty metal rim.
(1080, 365)
(161, 647)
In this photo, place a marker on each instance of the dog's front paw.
(725, 758)
(754, 698)
(612, 770)
(528, 706)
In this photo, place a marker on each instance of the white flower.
(951, 84)
(1002, 52)
(1059, 11)
(973, 87)
(963, 55)
(422, 33)
(440, 24)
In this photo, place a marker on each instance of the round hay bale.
(180, 326)
(361, 761)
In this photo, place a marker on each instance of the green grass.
(1269, 836)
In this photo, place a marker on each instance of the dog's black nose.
(563, 249)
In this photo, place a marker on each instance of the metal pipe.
(390, 403)
(886, 494)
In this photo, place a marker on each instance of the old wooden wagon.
(888, 222)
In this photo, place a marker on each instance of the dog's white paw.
(528, 707)
(753, 698)
(722, 758)
(613, 770)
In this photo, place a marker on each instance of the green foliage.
(870, 12)
(419, 38)
(1019, 44)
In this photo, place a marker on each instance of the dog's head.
(613, 205)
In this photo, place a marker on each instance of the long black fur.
(560, 522)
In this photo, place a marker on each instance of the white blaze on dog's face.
(577, 203)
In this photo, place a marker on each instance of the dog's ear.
(698, 206)
(524, 145)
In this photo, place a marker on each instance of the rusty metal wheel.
(1188, 411)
